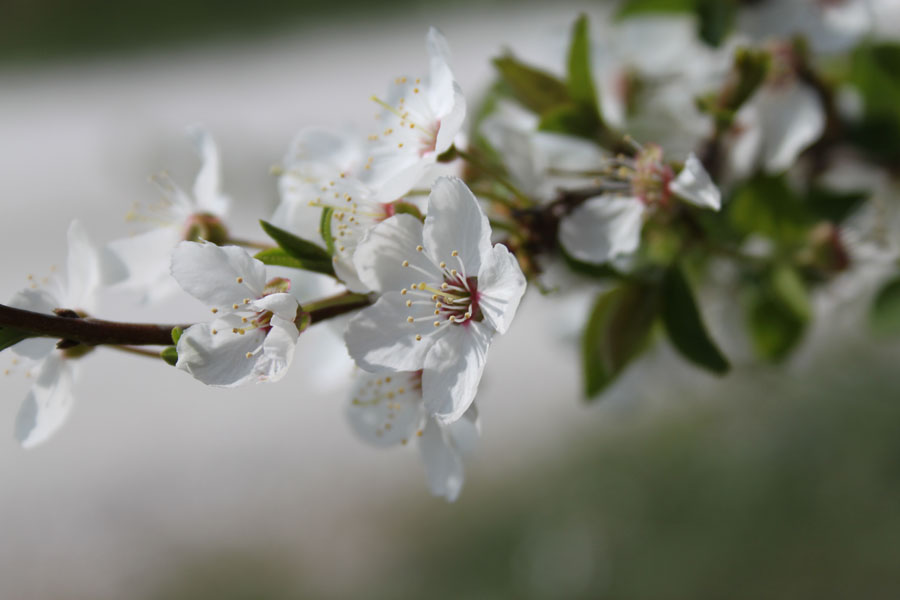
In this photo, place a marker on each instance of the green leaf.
(169, 354)
(875, 71)
(603, 271)
(11, 337)
(630, 8)
(778, 311)
(571, 119)
(581, 78)
(884, 316)
(325, 229)
(616, 332)
(716, 19)
(535, 89)
(684, 324)
(833, 205)
(306, 255)
(279, 257)
(767, 205)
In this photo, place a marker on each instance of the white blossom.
(445, 292)
(387, 409)
(253, 334)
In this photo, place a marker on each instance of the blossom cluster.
(653, 159)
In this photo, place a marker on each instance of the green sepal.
(617, 331)
(325, 229)
(884, 316)
(684, 323)
(11, 337)
(170, 355)
(407, 208)
(176, 334)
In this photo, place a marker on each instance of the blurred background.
(775, 482)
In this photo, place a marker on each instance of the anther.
(437, 323)
(443, 265)
(418, 338)
(249, 355)
(454, 253)
(405, 263)
(408, 303)
(240, 280)
(419, 248)
(409, 319)
(403, 292)
(214, 310)
(234, 306)
(215, 331)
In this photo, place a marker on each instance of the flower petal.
(220, 276)
(602, 228)
(455, 222)
(380, 257)
(501, 285)
(694, 185)
(443, 465)
(207, 186)
(220, 358)
(147, 257)
(47, 404)
(282, 304)
(792, 118)
(277, 350)
(35, 300)
(386, 409)
(380, 337)
(83, 275)
(453, 368)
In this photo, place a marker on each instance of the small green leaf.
(684, 324)
(11, 337)
(176, 334)
(884, 316)
(325, 229)
(581, 78)
(571, 119)
(170, 355)
(789, 287)
(280, 258)
(716, 18)
(535, 89)
(768, 206)
(616, 332)
(309, 256)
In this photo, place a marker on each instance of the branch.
(67, 326)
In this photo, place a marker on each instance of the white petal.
(148, 257)
(386, 409)
(47, 404)
(218, 275)
(282, 304)
(602, 228)
(207, 186)
(443, 465)
(451, 121)
(792, 119)
(380, 337)
(394, 172)
(455, 221)
(277, 350)
(501, 285)
(41, 301)
(346, 272)
(453, 370)
(463, 434)
(83, 270)
(379, 258)
(694, 185)
(220, 359)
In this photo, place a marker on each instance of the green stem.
(138, 351)
(249, 244)
(334, 306)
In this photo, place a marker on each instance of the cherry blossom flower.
(609, 225)
(322, 172)
(179, 216)
(421, 118)
(49, 401)
(445, 293)
(387, 409)
(253, 335)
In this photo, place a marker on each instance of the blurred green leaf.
(581, 78)
(616, 332)
(778, 311)
(306, 255)
(630, 8)
(684, 323)
(875, 71)
(533, 88)
(571, 119)
(716, 19)
(884, 316)
(11, 337)
(767, 205)
(833, 205)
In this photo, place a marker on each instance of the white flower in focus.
(387, 409)
(609, 225)
(50, 399)
(445, 293)
(253, 335)
(421, 118)
(179, 216)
